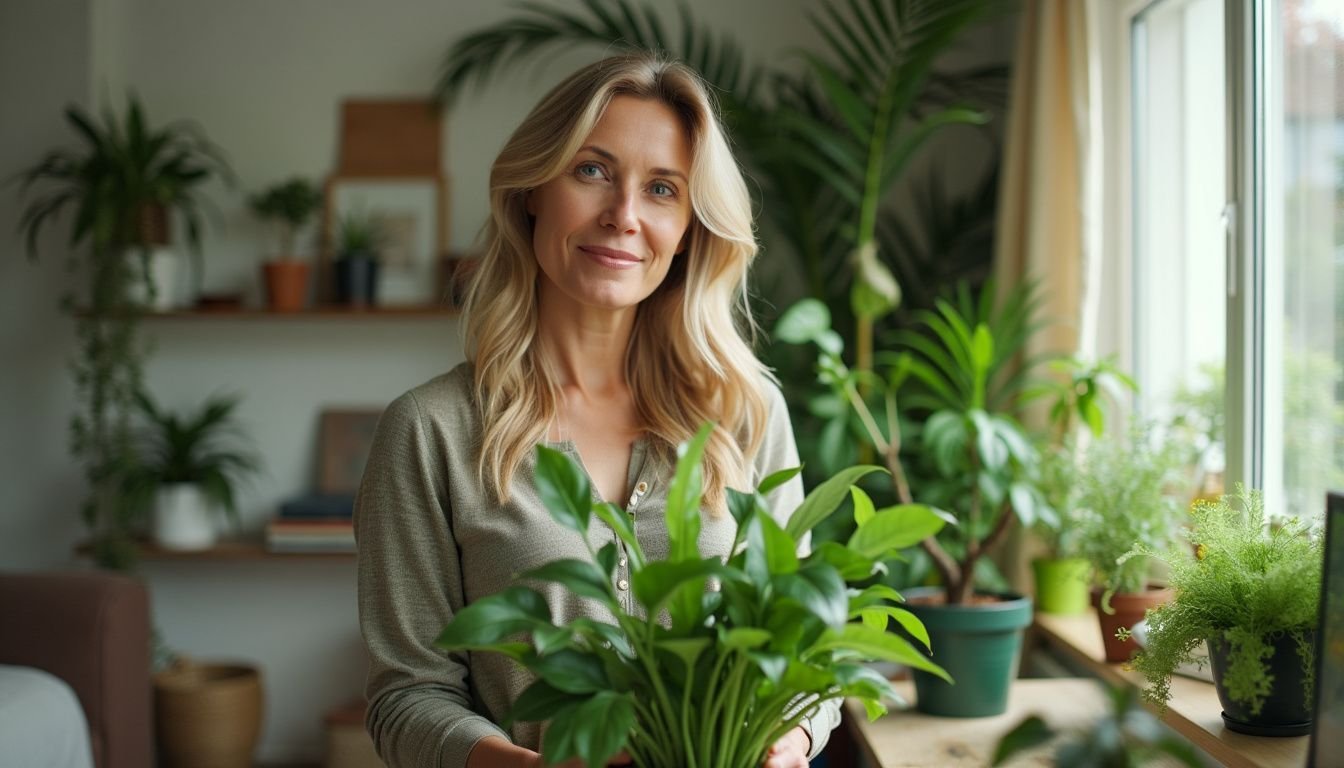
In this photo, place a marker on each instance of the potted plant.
(189, 470)
(1128, 494)
(289, 205)
(1250, 588)
(358, 239)
(735, 668)
(979, 466)
(1078, 392)
(1127, 735)
(126, 176)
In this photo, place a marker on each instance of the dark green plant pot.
(357, 280)
(1062, 585)
(1286, 710)
(978, 645)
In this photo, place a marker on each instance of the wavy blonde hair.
(690, 357)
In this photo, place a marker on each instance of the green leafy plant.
(1127, 736)
(982, 466)
(124, 177)
(1128, 495)
(358, 234)
(191, 448)
(1241, 580)
(290, 204)
(732, 669)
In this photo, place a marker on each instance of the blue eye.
(590, 170)
(662, 189)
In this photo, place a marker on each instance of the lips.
(611, 257)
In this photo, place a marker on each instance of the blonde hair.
(690, 358)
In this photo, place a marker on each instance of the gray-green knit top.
(431, 540)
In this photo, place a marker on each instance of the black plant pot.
(357, 280)
(1286, 711)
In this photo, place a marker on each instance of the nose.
(621, 211)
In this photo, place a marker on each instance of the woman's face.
(606, 230)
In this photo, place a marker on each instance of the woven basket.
(207, 715)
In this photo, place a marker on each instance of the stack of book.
(319, 523)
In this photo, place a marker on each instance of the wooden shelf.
(1194, 711)
(317, 313)
(227, 551)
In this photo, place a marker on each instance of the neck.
(586, 349)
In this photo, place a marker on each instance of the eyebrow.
(656, 171)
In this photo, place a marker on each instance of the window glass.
(1179, 193)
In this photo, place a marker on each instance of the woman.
(603, 320)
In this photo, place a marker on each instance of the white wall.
(265, 79)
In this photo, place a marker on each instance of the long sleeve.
(421, 706)
(779, 451)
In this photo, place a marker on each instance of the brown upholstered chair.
(92, 630)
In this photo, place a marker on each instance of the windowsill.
(1194, 711)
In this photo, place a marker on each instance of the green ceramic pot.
(1062, 585)
(978, 644)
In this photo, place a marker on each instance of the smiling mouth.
(611, 258)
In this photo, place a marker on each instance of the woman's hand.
(790, 751)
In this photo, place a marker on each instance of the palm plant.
(190, 448)
(125, 176)
(827, 146)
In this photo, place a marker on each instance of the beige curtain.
(1046, 192)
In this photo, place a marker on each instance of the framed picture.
(344, 439)
(410, 213)
(1327, 732)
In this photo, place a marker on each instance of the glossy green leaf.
(493, 618)
(579, 576)
(1031, 732)
(539, 702)
(571, 671)
(876, 644)
(604, 633)
(776, 479)
(742, 506)
(686, 650)
(772, 665)
(619, 522)
(683, 498)
(851, 565)
(879, 616)
(820, 590)
(549, 638)
(896, 528)
(564, 489)
(596, 730)
(770, 551)
(825, 499)
(743, 638)
(656, 581)
(863, 506)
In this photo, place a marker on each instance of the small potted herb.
(1249, 588)
(359, 237)
(289, 205)
(733, 669)
(189, 466)
(1126, 498)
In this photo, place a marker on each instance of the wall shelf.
(226, 551)
(317, 313)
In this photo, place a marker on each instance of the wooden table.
(1194, 711)
(904, 739)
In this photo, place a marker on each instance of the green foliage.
(978, 462)
(124, 171)
(754, 643)
(191, 448)
(1127, 736)
(1127, 495)
(289, 203)
(1241, 579)
(358, 234)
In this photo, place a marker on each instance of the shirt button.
(622, 562)
(643, 487)
(622, 585)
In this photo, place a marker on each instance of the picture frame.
(1326, 748)
(412, 213)
(345, 436)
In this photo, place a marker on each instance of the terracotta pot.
(1128, 609)
(207, 715)
(286, 285)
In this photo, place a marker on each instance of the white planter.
(183, 519)
(164, 274)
